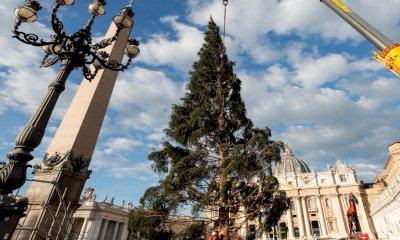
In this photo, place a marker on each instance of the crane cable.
(221, 70)
(223, 49)
(225, 2)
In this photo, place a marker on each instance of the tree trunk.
(223, 217)
(224, 222)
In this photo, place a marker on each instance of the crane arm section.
(389, 54)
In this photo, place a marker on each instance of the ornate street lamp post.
(73, 51)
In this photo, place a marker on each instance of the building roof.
(290, 164)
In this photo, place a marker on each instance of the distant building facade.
(318, 201)
(100, 220)
(384, 197)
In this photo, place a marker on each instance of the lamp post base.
(11, 210)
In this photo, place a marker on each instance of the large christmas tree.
(213, 158)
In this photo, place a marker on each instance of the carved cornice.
(54, 160)
(66, 162)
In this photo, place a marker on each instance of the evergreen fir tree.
(148, 225)
(213, 158)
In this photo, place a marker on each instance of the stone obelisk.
(64, 170)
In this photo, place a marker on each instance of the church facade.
(318, 201)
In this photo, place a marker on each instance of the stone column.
(300, 217)
(95, 233)
(321, 216)
(88, 229)
(125, 232)
(83, 229)
(339, 215)
(115, 231)
(365, 227)
(120, 230)
(103, 230)
(244, 227)
(306, 218)
(289, 224)
(69, 228)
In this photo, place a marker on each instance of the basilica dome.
(289, 164)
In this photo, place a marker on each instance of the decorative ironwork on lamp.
(78, 47)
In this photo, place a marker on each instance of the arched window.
(315, 228)
(283, 230)
(311, 203)
(296, 232)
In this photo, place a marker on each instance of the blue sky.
(305, 74)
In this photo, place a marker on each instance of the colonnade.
(303, 219)
(103, 229)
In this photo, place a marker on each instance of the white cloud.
(309, 98)
(25, 88)
(366, 170)
(327, 107)
(157, 135)
(121, 144)
(141, 170)
(23, 83)
(18, 54)
(305, 17)
(119, 166)
(252, 22)
(313, 72)
(143, 98)
(178, 51)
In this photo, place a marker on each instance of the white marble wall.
(385, 212)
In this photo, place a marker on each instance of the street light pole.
(31, 135)
(72, 51)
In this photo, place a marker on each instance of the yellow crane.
(389, 52)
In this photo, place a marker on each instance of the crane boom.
(389, 54)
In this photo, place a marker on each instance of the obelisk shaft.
(82, 122)
(68, 156)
